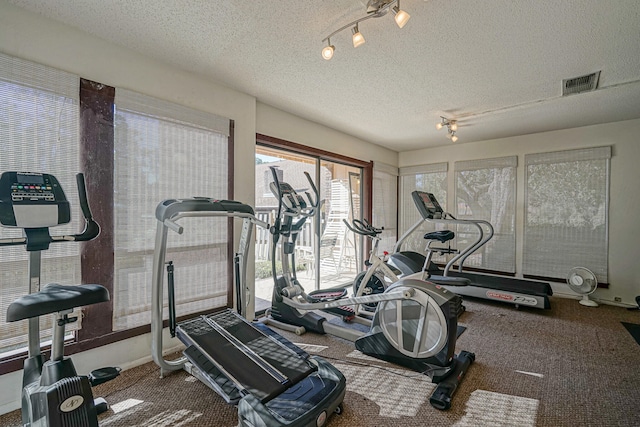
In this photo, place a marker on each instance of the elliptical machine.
(53, 393)
(414, 324)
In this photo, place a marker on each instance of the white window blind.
(39, 130)
(164, 150)
(431, 178)
(486, 190)
(385, 204)
(566, 212)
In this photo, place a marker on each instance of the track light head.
(327, 52)
(375, 9)
(401, 17)
(358, 38)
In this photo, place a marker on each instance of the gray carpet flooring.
(568, 366)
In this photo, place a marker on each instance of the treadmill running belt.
(259, 364)
(238, 365)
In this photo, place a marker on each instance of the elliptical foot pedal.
(323, 295)
(441, 396)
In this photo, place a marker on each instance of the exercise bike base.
(68, 402)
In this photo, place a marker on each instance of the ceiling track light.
(358, 38)
(375, 9)
(451, 125)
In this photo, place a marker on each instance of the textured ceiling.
(495, 65)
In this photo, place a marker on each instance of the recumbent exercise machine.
(272, 381)
(53, 393)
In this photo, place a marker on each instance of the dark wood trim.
(309, 151)
(96, 160)
(367, 202)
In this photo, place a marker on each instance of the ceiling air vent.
(580, 84)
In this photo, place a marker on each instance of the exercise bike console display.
(32, 200)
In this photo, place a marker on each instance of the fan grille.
(582, 280)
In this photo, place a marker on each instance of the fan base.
(587, 302)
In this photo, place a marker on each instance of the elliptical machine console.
(53, 393)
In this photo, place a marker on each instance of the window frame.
(96, 160)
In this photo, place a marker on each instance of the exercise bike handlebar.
(364, 228)
(91, 228)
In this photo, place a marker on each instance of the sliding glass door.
(340, 197)
(327, 254)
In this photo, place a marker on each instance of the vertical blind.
(430, 178)
(486, 190)
(39, 130)
(164, 150)
(566, 212)
(385, 203)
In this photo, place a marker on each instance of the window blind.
(567, 212)
(39, 130)
(486, 189)
(164, 150)
(385, 204)
(431, 178)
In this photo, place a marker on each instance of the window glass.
(159, 155)
(567, 203)
(486, 190)
(39, 131)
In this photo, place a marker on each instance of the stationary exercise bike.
(414, 323)
(53, 393)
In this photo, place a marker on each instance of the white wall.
(624, 222)
(279, 124)
(32, 37)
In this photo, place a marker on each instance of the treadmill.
(272, 381)
(519, 292)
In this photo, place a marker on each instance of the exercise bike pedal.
(101, 405)
(102, 375)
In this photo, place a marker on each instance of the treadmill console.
(32, 200)
(427, 205)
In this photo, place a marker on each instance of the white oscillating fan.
(582, 281)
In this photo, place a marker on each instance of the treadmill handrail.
(181, 208)
(464, 254)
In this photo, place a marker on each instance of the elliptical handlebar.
(294, 203)
(314, 203)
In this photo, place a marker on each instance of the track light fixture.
(327, 52)
(375, 9)
(358, 38)
(451, 125)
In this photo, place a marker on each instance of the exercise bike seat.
(54, 298)
(442, 236)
